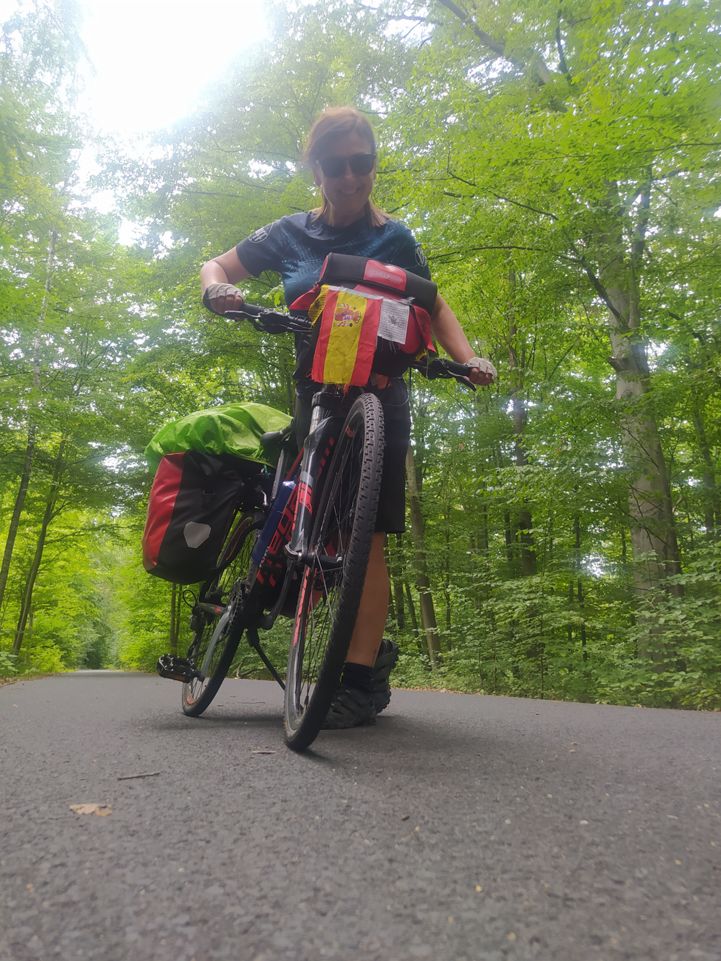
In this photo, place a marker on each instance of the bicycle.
(302, 552)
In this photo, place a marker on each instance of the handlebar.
(271, 321)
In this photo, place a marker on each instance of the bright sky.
(151, 60)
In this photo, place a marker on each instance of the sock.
(358, 676)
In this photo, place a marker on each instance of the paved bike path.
(460, 828)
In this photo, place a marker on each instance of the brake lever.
(465, 381)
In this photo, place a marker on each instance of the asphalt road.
(459, 828)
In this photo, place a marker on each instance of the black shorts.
(391, 517)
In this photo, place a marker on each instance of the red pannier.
(192, 503)
(393, 325)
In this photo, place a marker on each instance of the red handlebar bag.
(367, 316)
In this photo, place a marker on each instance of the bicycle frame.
(327, 420)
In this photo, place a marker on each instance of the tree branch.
(561, 55)
(537, 64)
(638, 244)
(600, 289)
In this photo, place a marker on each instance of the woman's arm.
(217, 280)
(450, 335)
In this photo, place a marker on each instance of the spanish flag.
(347, 335)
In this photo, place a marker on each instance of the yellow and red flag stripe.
(347, 336)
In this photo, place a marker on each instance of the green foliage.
(8, 665)
(558, 164)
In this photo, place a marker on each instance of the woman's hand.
(482, 371)
(222, 297)
(449, 334)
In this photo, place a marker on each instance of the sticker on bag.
(346, 345)
(393, 324)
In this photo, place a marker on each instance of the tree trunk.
(423, 583)
(17, 511)
(653, 531)
(711, 495)
(508, 540)
(483, 538)
(49, 513)
(519, 416)
(396, 578)
(32, 429)
(447, 574)
(579, 583)
(411, 606)
(651, 515)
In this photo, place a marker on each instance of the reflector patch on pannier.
(196, 534)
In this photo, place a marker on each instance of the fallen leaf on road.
(102, 810)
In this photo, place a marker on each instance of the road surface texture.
(459, 828)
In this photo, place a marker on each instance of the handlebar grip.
(456, 368)
(447, 369)
(248, 310)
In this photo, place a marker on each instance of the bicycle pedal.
(177, 669)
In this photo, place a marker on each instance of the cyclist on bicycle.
(341, 153)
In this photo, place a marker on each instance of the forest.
(560, 163)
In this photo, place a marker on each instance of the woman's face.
(346, 188)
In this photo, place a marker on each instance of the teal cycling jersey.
(296, 246)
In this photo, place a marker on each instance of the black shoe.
(385, 662)
(350, 707)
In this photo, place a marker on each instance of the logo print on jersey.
(421, 258)
(261, 234)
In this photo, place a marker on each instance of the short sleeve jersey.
(296, 246)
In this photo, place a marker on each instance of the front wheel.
(214, 644)
(332, 582)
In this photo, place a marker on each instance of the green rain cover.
(233, 429)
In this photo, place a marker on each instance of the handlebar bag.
(367, 316)
(193, 500)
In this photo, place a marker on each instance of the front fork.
(325, 424)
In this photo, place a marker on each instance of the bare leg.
(373, 610)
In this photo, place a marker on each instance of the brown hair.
(333, 123)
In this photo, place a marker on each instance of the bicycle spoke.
(333, 583)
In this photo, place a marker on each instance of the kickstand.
(254, 642)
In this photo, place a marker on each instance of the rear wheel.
(332, 583)
(214, 645)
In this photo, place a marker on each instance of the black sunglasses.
(360, 164)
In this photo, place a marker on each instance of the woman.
(341, 153)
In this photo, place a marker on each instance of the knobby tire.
(328, 600)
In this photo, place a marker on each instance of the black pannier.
(192, 503)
